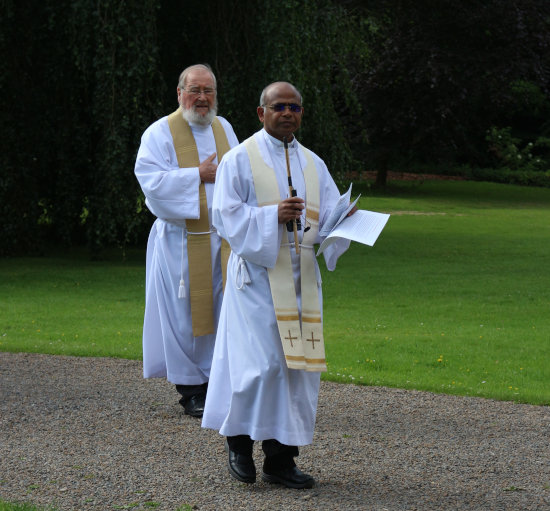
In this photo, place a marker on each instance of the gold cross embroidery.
(290, 338)
(313, 341)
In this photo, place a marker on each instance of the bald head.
(182, 82)
(272, 89)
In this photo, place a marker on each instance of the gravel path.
(91, 434)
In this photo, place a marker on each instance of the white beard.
(193, 117)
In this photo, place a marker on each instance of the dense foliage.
(79, 84)
(442, 73)
(386, 84)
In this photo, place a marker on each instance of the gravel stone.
(92, 434)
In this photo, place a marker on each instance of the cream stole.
(198, 239)
(302, 341)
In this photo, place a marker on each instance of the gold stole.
(198, 239)
(303, 343)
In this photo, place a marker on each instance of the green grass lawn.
(67, 304)
(454, 297)
(13, 506)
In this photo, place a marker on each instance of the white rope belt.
(211, 231)
(292, 243)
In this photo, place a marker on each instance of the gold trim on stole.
(302, 342)
(198, 245)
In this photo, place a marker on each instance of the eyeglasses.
(280, 107)
(195, 91)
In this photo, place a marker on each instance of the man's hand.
(290, 209)
(207, 169)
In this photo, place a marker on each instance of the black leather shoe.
(241, 467)
(289, 477)
(194, 406)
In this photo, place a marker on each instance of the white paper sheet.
(342, 208)
(363, 226)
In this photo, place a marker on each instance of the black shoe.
(194, 406)
(241, 467)
(289, 477)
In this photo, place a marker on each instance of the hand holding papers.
(342, 208)
(363, 226)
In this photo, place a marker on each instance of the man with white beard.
(176, 168)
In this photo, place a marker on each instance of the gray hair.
(187, 70)
(267, 87)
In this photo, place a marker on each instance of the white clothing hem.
(258, 434)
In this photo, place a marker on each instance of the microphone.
(293, 224)
(292, 191)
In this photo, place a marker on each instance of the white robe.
(172, 195)
(251, 391)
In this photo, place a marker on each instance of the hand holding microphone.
(294, 224)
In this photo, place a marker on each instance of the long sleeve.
(171, 192)
(329, 197)
(253, 232)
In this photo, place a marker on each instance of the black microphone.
(293, 193)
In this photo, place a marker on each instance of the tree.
(84, 79)
(440, 73)
(313, 44)
(124, 86)
(385, 83)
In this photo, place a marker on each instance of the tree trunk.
(382, 174)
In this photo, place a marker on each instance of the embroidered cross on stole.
(198, 239)
(302, 338)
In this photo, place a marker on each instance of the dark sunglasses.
(279, 107)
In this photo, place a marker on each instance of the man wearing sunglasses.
(176, 167)
(269, 349)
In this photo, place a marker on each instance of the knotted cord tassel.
(181, 292)
(242, 274)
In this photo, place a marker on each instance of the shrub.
(510, 152)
